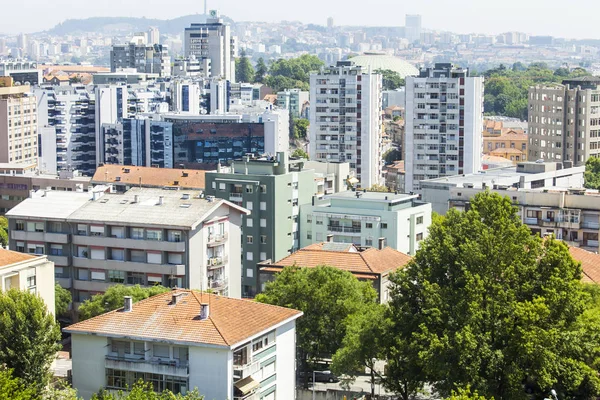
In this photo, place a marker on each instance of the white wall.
(286, 361)
(211, 371)
(88, 364)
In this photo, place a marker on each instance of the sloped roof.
(384, 61)
(8, 257)
(370, 261)
(590, 263)
(150, 177)
(230, 321)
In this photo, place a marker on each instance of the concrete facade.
(18, 125)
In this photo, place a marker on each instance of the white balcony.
(40, 236)
(130, 266)
(104, 241)
(155, 366)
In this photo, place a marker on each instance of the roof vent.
(126, 170)
(128, 304)
(204, 311)
(185, 196)
(185, 174)
(175, 183)
(175, 298)
(118, 179)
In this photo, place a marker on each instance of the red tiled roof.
(590, 264)
(230, 321)
(8, 257)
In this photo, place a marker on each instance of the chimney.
(330, 238)
(136, 198)
(204, 311)
(175, 297)
(128, 304)
(381, 243)
(160, 200)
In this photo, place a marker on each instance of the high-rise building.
(213, 41)
(346, 119)
(145, 58)
(330, 22)
(18, 124)
(185, 97)
(444, 121)
(3, 48)
(22, 42)
(292, 100)
(153, 35)
(412, 28)
(564, 121)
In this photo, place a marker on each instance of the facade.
(523, 176)
(28, 272)
(69, 114)
(363, 218)
(145, 58)
(564, 124)
(366, 264)
(140, 142)
(292, 100)
(21, 71)
(212, 41)
(412, 28)
(18, 125)
(509, 143)
(122, 178)
(444, 121)
(144, 236)
(346, 120)
(394, 176)
(185, 97)
(226, 348)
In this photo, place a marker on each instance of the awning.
(246, 385)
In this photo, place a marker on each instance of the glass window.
(117, 232)
(175, 236)
(384, 225)
(83, 274)
(419, 220)
(136, 278)
(263, 222)
(263, 239)
(154, 258)
(20, 226)
(263, 205)
(137, 233)
(160, 351)
(138, 348)
(56, 249)
(249, 239)
(116, 276)
(138, 256)
(154, 234)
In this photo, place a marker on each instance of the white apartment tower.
(444, 121)
(345, 119)
(412, 28)
(212, 41)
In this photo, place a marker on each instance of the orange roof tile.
(507, 150)
(8, 257)
(370, 261)
(150, 177)
(590, 263)
(230, 321)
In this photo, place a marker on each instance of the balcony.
(91, 286)
(216, 239)
(216, 262)
(531, 221)
(345, 229)
(130, 266)
(154, 366)
(47, 237)
(218, 284)
(242, 371)
(236, 197)
(64, 282)
(590, 225)
(104, 241)
(60, 261)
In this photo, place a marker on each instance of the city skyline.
(535, 17)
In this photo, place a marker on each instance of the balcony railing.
(214, 262)
(244, 370)
(217, 283)
(346, 229)
(153, 366)
(217, 238)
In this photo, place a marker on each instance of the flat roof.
(389, 197)
(50, 204)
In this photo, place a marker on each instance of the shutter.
(98, 254)
(154, 258)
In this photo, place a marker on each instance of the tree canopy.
(592, 173)
(244, 72)
(327, 296)
(486, 304)
(144, 391)
(62, 299)
(300, 128)
(299, 153)
(390, 79)
(12, 388)
(292, 73)
(261, 71)
(3, 231)
(112, 299)
(29, 338)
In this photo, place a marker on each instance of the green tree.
(12, 388)
(261, 71)
(485, 303)
(299, 153)
(301, 128)
(327, 296)
(363, 343)
(390, 79)
(244, 72)
(112, 299)
(144, 391)
(62, 299)
(465, 394)
(3, 231)
(592, 173)
(292, 73)
(29, 338)
(378, 188)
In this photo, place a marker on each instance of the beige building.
(18, 124)
(28, 272)
(564, 121)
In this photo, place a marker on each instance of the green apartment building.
(273, 189)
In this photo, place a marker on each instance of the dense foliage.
(29, 338)
(390, 79)
(484, 304)
(62, 299)
(261, 71)
(299, 153)
(328, 297)
(592, 173)
(244, 72)
(300, 128)
(292, 73)
(506, 89)
(112, 299)
(12, 388)
(143, 391)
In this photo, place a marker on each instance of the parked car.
(321, 376)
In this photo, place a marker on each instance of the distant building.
(292, 100)
(394, 176)
(153, 35)
(412, 28)
(28, 272)
(444, 121)
(185, 97)
(363, 218)
(18, 124)
(373, 264)
(122, 178)
(213, 41)
(145, 58)
(23, 72)
(227, 348)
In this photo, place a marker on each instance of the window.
(263, 205)
(368, 242)
(249, 273)
(249, 189)
(21, 247)
(96, 230)
(154, 257)
(160, 351)
(20, 226)
(249, 239)
(117, 232)
(117, 254)
(419, 237)
(309, 235)
(263, 256)
(319, 220)
(55, 227)
(81, 229)
(249, 256)
(153, 234)
(263, 188)
(98, 275)
(249, 223)
(263, 239)
(309, 219)
(369, 225)
(175, 236)
(116, 276)
(116, 379)
(135, 278)
(97, 254)
(83, 274)
(56, 249)
(419, 220)
(384, 225)
(175, 258)
(31, 280)
(137, 256)
(263, 222)
(138, 348)
(222, 186)
(137, 233)
(249, 205)
(39, 227)
(33, 248)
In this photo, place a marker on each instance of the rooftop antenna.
(205, 7)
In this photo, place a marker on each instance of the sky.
(574, 19)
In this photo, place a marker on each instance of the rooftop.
(230, 321)
(383, 61)
(386, 197)
(590, 264)
(150, 177)
(8, 257)
(364, 264)
(50, 204)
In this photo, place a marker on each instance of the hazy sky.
(570, 19)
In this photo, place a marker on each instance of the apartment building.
(18, 124)
(372, 264)
(122, 178)
(22, 72)
(525, 175)
(444, 121)
(364, 218)
(212, 41)
(226, 348)
(144, 236)
(509, 143)
(564, 121)
(28, 272)
(67, 122)
(346, 120)
(293, 100)
(272, 189)
(145, 58)
(185, 97)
